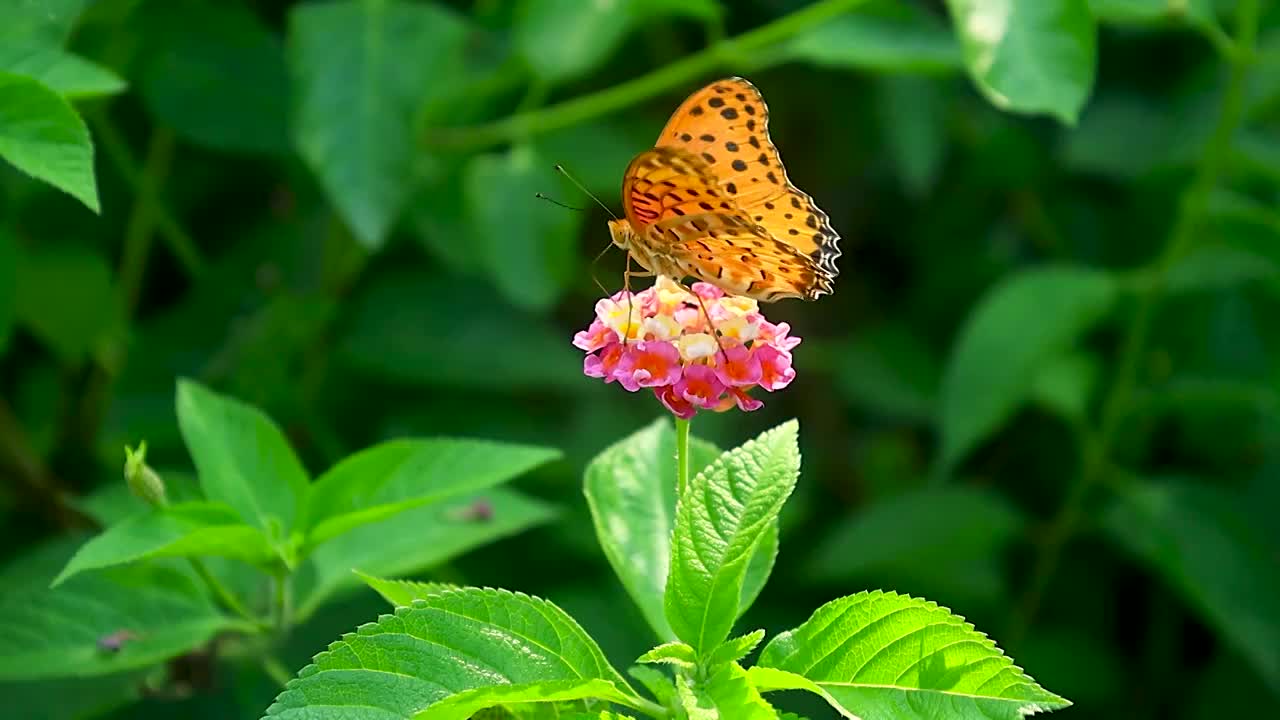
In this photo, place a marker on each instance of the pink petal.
(678, 406)
(737, 367)
(775, 367)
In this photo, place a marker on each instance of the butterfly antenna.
(560, 169)
(553, 201)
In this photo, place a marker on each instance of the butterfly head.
(622, 233)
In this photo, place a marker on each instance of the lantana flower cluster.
(661, 339)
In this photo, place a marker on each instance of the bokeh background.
(308, 206)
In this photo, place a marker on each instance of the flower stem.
(682, 456)
(275, 669)
(1192, 207)
(225, 596)
(681, 72)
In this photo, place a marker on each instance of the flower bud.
(143, 481)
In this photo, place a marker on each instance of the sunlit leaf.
(41, 135)
(884, 655)
(1037, 57)
(403, 592)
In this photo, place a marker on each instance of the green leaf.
(1142, 12)
(1219, 267)
(463, 705)
(889, 371)
(562, 40)
(48, 633)
(527, 246)
(884, 37)
(720, 520)
(197, 57)
(41, 135)
(66, 299)
(71, 76)
(48, 21)
(1038, 57)
(949, 539)
(672, 653)
(727, 693)
(658, 683)
(364, 71)
(242, 459)
(1065, 384)
(456, 644)
(188, 529)
(892, 657)
(631, 491)
(734, 649)
(398, 324)
(1204, 543)
(413, 541)
(1016, 329)
(403, 592)
(392, 477)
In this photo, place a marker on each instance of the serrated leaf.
(884, 37)
(734, 649)
(41, 135)
(631, 491)
(463, 641)
(891, 657)
(242, 459)
(726, 695)
(413, 541)
(184, 530)
(394, 476)
(725, 512)
(196, 57)
(462, 705)
(364, 71)
(672, 653)
(403, 592)
(1020, 325)
(1203, 542)
(1037, 57)
(155, 613)
(527, 248)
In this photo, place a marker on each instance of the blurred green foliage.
(1046, 393)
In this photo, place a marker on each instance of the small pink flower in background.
(660, 338)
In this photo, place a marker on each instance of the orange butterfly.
(713, 201)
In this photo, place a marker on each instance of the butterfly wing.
(726, 125)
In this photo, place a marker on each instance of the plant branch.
(1192, 207)
(617, 97)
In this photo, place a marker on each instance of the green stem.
(1191, 212)
(224, 595)
(617, 97)
(283, 614)
(117, 149)
(275, 669)
(682, 456)
(138, 232)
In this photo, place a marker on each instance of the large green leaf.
(886, 37)
(403, 592)
(892, 657)
(1021, 324)
(186, 529)
(1205, 544)
(365, 70)
(720, 521)
(193, 75)
(413, 541)
(242, 459)
(401, 474)
(564, 39)
(66, 299)
(155, 612)
(453, 647)
(527, 245)
(67, 74)
(631, 491)
(946, 538)
(1030, 57)
(41, 135)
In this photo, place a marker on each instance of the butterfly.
(711, 200)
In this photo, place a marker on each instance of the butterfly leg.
(710, 323)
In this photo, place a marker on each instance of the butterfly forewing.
(726, 124)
